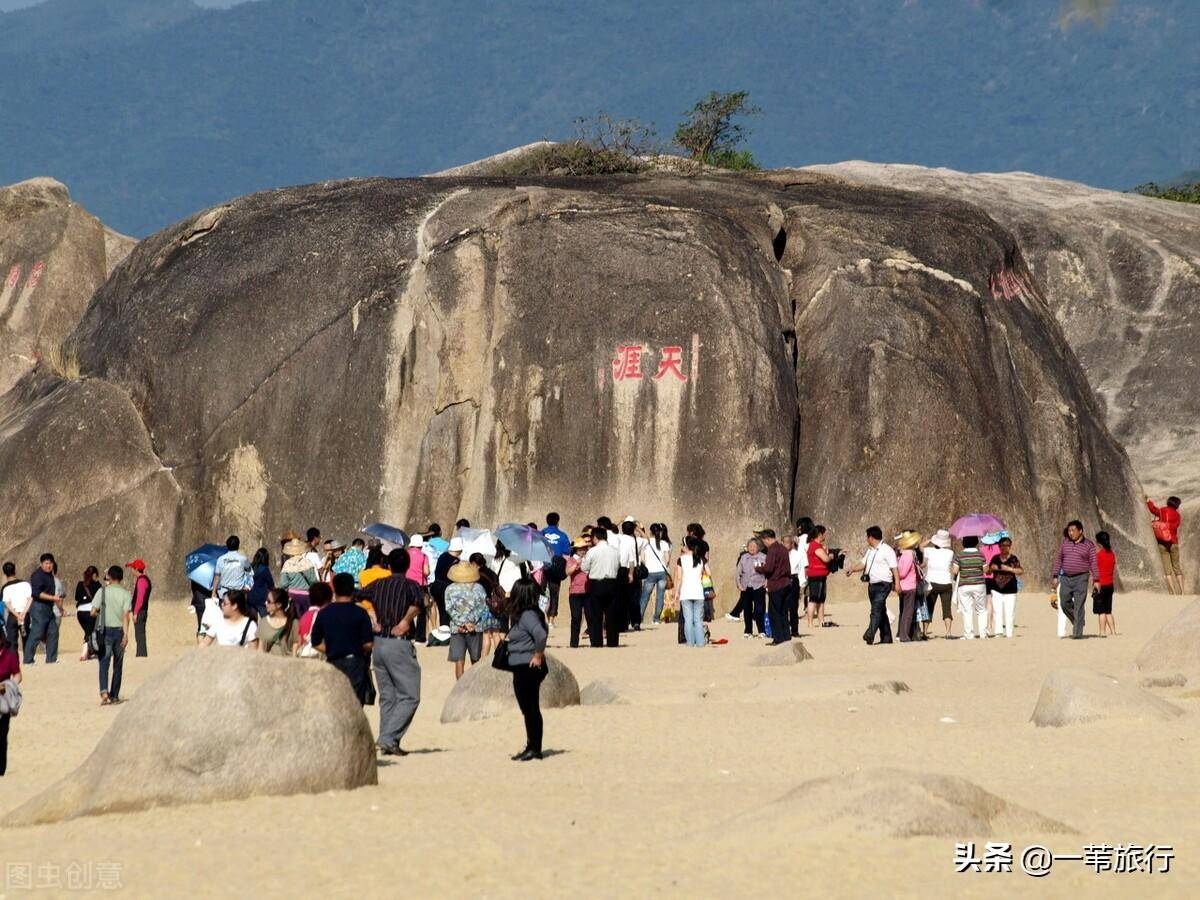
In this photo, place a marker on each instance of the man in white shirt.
(601, 564)
(233, 570)
(882, 575)
(798, 558)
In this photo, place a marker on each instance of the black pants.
(605, 619)
(739, 607)
(793, 608)
(632, 601)
(87, 622)
(139, 631)
(579, 606)
(621, 592)
(527, 685)
(13, 633)
(4, 742)
(777, 610)
(552, 591)
(877, 593)
(355, 668)
(199, 598)
(753, 602)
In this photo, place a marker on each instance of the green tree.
(711, 133)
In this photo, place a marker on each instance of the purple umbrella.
(976, 525)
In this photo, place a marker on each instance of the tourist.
(777, 567)
(970, 570)
(989, 546)
(601, 564)
(435, 543)
(939, 557)
(233, 570)
(418, 562)
(655, 554)
(374, 569)
(577, 588)
(233, 627)
(352, 561)
(752, 587)
(15, 599)
(1166, 532)
(277, 627)
(298, 575)
(319, 596)
(466, 607)
(142, 588)
(696, 530)
(1102, 598)
(879, 570)
(201, 599)
(263, 583)
(342, 633)
(398, 601)
(689, 576)
(312, 548)
(44, 612)
(798, 560)
(113, 618)
(817, 574)
(441, 575)
(908, 568)
(85, 593)
(284, 539)
(1005, 571)
(527, 661)
(1075, 569)
(495, 623)
(10, 672)
(629, 586)
(560, 548)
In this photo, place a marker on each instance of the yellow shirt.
(366, 576)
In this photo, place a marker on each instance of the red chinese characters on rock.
(35, 275)
(627, 365)
(14, 275)
(1009, 284)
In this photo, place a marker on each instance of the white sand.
(639, 798)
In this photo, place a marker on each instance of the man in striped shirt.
(1075, 567)
(968, 568)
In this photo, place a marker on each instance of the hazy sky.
(6, 5)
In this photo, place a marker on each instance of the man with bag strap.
(113, 622)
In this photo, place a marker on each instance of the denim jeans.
(652, 582)
(113, 653)
(877, 593)
(43, 626)
(692, 612)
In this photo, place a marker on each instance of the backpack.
(556, 569)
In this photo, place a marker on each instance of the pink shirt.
(416, 567)
(579, 578)
(907, 567)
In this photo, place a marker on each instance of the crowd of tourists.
(364, 607)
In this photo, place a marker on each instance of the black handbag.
(500, 657)
(96, 638)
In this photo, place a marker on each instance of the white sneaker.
(747, 635)
(730, 617)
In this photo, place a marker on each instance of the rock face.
(484, 692)
(1174, 650)
(728, 349)
(888, 802)
(1074, 696)
(53, 256)
(173, 743)
(1121, 273)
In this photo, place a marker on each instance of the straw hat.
(288, 535)
(463, 573)
(580, 543)
(295, 547)
(941, 539)
(908, 540)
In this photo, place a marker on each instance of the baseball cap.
(138, 564)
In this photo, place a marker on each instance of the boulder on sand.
(484, 692)
(1072, 696)
(600, 693)
(888, 802)
(1175, 648)
(219, 724)
(789, 654)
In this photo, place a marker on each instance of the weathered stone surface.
(219, 724)
(1074, 696)
(1121, 273)
(454, 339)
(600, 693)
(484, 692)
(888, 802)
(1174, 650)
(53, 256)
(787, 655)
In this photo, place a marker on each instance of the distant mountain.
(150, 109)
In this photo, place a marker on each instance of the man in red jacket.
(777, 568)
(1166, 529)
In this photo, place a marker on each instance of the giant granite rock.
(1174, 650)
(1121, 273)
(484, 692)
(1075, 696)
(53, 256)
(219, 724)
(728, 349)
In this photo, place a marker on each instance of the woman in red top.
(1166, 531)
(10, 667)
(1106, 560)
(817, 572)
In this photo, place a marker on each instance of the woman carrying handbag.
(523, 653)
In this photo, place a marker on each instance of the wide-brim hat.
(941, 539)
(463, 573)
(336, 545)
(580, 543)
(908, 540)
(295, 547)
(993, 537)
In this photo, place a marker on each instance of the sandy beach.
(669, 792)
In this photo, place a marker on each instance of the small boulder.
(1072, 696)
(219, 724)
(600, 693)
(1164, 681)
(786, 655)
(484, 692)
(1174, 650)
(889, 687)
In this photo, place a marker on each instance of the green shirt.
(117, 602)
(970, 566)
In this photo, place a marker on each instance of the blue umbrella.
(525, 542)
(389, 533)
(200, 564)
